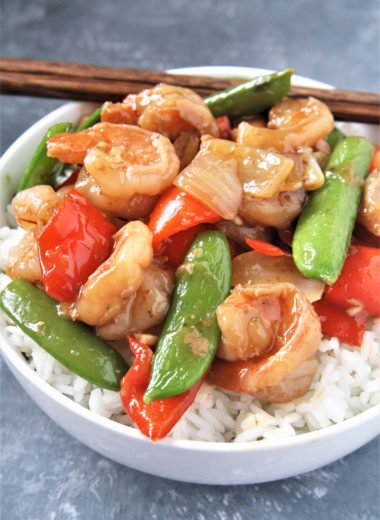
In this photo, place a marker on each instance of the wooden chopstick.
(96, 83)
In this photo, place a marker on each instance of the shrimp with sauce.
(33, 207)
(165, 109)
(107, 290)
(136, 207)
(23, 259)
(274, 332)
(124, 160)
(369, 211)
(146, 308)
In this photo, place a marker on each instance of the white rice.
(347, 383)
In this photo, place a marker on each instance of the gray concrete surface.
(46, 474)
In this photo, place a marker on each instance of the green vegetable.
(324, 229)
(91, 120)
(72, 343)
(42, 169)
(334, 138)
(251, 97)
(190, 335)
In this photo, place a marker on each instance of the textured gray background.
(47, 475)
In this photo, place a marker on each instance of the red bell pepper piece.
(265, 248)
(176, 211)
(336, 322)
(224, 127)
(157, 418)
(178, 245)
(75, 241)
(359, 282)
(375, 163)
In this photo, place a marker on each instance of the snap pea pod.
(334, 138)
(190, 335)
(72, 343)
(91, 120)
(324, 229)
(252, 97)
(42, 169)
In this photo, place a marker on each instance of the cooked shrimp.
(144, 310)
(120, 113)
(106, 291)
(138, 206)
(34, 206)
(292, 123)
(172, 110)
(248, 325)
(254, 267)
(295, 341)
(369, 212)
(294, 385)
(123, 159)
(23, 260)
(278, 211)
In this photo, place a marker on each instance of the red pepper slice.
(359, 282)
(265, 248)
(156, 419)
(375, 163)
(178, 245)
(176, 211)
(336, 322)
(75, 241)
(224, 127)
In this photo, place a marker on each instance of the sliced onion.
(294, 179)
(313, 177)
(307, 172)
(262, 172)
(214, 181)
(257, 268)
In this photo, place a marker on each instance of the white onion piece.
(214, 181)
(313, 177)
(257, 268)
(262, 172)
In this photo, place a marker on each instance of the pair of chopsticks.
(95, 83)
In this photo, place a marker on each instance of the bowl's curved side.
(197, 462)
(13, 163)
(190, 461)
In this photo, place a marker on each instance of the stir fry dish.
(218, 239)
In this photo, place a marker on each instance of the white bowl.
(189, 461)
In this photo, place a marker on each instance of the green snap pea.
(334, 138)
(42, 169)
(91, 120)
(325, 226)
(71, 343)
(252, 97)
(191, 335)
